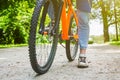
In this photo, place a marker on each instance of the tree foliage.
(14, 21)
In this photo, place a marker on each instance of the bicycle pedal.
(44, 31)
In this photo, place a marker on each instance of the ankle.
(82, 55)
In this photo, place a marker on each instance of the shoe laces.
(82, 59)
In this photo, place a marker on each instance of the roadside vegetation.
(12, 45)
(116, 43)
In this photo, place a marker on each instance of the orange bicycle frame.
(65, 19)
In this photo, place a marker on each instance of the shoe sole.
(82, 66)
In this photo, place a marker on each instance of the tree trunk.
(116, 27)
(105, 22)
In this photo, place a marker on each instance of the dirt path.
(104, 65)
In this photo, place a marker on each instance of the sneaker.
(82, 63)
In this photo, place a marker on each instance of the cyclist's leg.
(51, 10)
(83, 32)
(51, 14)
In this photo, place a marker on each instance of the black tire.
(71, 44)
(41, 47)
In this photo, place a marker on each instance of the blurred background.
(15, 17)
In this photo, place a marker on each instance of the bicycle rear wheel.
(42, 45)
(72, 43)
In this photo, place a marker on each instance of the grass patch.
(12, 45)
(117, 43)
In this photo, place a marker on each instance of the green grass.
(117, 43)
(12, 45)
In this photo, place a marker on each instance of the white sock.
(82, 55)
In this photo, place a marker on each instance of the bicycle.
(45, 32)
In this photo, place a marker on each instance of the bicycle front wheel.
(72, 43)
(42, 45)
